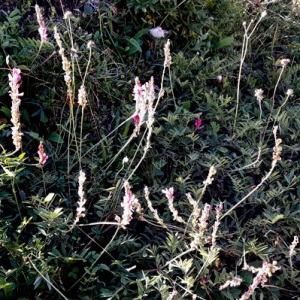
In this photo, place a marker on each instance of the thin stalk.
(80, 138)
(15, 195)
(47, 280)
(96, 260)
(274, 162)
(273, 103)
(99, 142)
(146, 148)
(82, 109)
(178, 256)
(245, 45)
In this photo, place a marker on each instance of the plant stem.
(246, 40)
(274, 162)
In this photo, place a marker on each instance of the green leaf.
(135, 46)
(25, 115)
(104, 267)
(215, 127)
(55, 137)
(43, 117)
(88, 10)
(106, 292)
(186, 105)
(235, 292)
(277, 218)
(57, 212)
(49, 197)
(8, 288)
(23, 67)
(140, 33)
(223, 43)
(37, 282)
(126, 129)
(34, 135)
(14, 13)
(6, 111)
(246, 276)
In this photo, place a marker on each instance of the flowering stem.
(273, 103)
(120, 151)
(47, 280)
(260, 110)
(95, 261)
(178, 256)
(171, 85)
(243, 56)
(250, 193)
(101, 141)
(146, 148)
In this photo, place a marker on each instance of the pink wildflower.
(129, 204)
(144, 97)
(219, 207)
(137, 90)
(42, 155)
(198, 124)
(42, 29)
(16, 76)
(169, 193)
(261, 277)
(136, 119)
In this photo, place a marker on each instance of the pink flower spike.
(42, 28)
(169, 193)
(16, 75)
(198, 124)
(136, 120)
(42, 155)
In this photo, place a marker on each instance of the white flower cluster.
(14, 79)
(42, 29)
(82, 200)
(235, 281)
(209, 179)
(169, 193)
(82, 96)
(261, 277)
(66, 65)
(259, 94)
(144, 97)
(158, 32)
(296, 7)
(129, 204)
(202, 224)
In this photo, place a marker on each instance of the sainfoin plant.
(156, 177)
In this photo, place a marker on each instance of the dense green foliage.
(208, 116)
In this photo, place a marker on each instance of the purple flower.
(136, 119)
(42, 155)
(169, 193)
(198, 124)
(16, 75)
